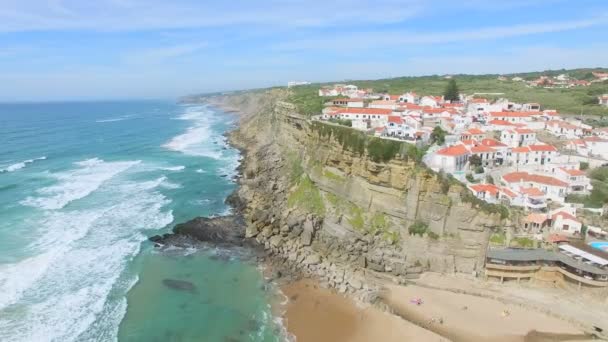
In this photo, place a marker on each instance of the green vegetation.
(356, 218)
(475, 160)
(451, 91)
(379, 150)
(498, 239)
(418, 228)
(295, 167)
(332, 176)
(479, 169)
(379, 222)
(468, 197)
(343, 122)
(572, 101)
(583, 166)
(383, 150)
(438, 136)
(307, 196)
(433, 235)
(470, 178)
(523, 242)
(599, 195)
(390, 236)
(489, 179)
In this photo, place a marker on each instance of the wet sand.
(314, 314)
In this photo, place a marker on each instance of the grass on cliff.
(378, 150)
(307, 197)
(334, 177)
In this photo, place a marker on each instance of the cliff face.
(339, 215)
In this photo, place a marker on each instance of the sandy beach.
(317, 314)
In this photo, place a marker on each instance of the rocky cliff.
(329, 210)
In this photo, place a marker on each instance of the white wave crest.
(77, 183)
(120, 118)
(197, 140)
(20, 165)
(61, 293)
(174, 168)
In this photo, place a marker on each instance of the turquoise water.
(82, 186)
(601, 245)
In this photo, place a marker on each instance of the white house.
(431, 101)
(472, 133)
(518, 137)
(383, 104)
(513, 117)
(450, 159)
(552, 187)
(577, 180)
(485, 153)
(542, 154)
(376, 117)
(398, 128)
(531, 107)
(409, 97)
(565, 129)
(348, 102)
(603, 100)
(564, 222)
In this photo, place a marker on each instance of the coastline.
(315, 313)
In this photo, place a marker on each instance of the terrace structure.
(569, 264)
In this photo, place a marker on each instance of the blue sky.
(103, 49)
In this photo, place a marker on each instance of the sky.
(121, 49)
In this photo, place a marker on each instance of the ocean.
(82, 187)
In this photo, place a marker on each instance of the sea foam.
(20, 165)
(77, 183)
(61, 293)
(196, 141)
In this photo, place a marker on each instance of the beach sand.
(472, 318)
(314, 314)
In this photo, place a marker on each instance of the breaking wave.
(20, 165)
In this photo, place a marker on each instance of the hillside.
(567, 101)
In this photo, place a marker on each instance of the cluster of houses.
(559, 81)
(493, 146)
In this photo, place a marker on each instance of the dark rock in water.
(180, 285)
(224, 176)
(223, 231)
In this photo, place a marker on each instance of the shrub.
(489, 179)
(523, 242)
(433, 235)
(356, 220)
(383, 150)
(470, 178)
(379, 222)
(498, 238)
(308, 197)
(479, 169)
(584, 166)
(418, 228)
(332, 176)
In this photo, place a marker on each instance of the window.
(566, 227)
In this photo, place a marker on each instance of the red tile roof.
(489, 188)
(512, 114)
(534, 192)
(542, 148)
(562, 124)
(482, 149)
(573, 172)
(395, 119)
(524, 130)
(456, 150)
(474, 131)
(372, 111)
(537, 218)
(515, 177)
(492, 143)
(522, 149)
(564, 215)
(479, 100)
(501, 123)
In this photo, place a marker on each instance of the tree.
(475, 160)
(438, 135)
(451, 91)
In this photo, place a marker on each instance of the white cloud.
(367, 40)
(118, 15)
(161, 54)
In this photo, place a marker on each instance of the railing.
(513, 268)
